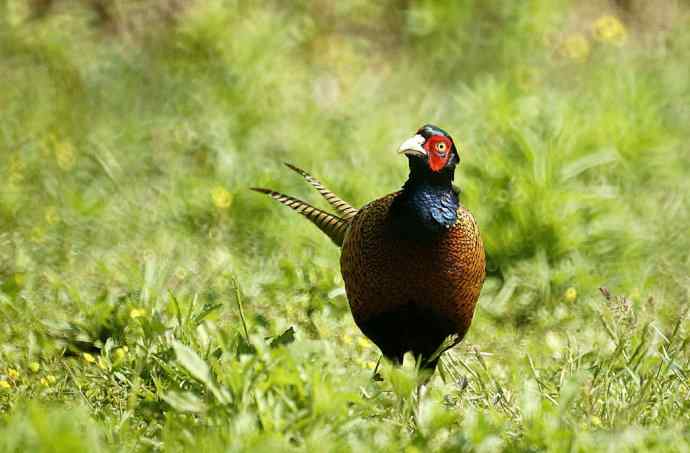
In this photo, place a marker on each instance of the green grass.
(219, 317)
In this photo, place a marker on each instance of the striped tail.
(334, 226)
(344, 209)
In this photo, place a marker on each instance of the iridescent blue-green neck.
(428, 204)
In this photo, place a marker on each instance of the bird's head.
(432, 147)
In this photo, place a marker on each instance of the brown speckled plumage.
(434, 285)
(412, 261)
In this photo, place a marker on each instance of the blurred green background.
(130, 131)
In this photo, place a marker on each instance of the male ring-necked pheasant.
(412, 261)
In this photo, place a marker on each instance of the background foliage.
(149, 301)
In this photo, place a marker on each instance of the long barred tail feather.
(334, 226)
(346, 212)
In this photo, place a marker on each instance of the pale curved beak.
(413, 146)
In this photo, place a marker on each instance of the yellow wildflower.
(611, 30)
(570, 294)
(137, 313)
(34, 367)
(4, 385)
(121, 353)
(102, 364)
(347, 339)
(89, 358)
(38, 234)
(48, 380)
(20, 279)
(51, 215)
(12, 374)
(64, 154)
(576, 47)
(221, 197)
(369, 364)
(362, 343)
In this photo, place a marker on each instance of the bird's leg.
(421, 391)
(376, 376)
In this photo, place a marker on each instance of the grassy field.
(149, 301)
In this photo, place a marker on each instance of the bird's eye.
(440, 146)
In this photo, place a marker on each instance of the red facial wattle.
(439, 149)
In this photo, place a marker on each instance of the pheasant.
(412, 261)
